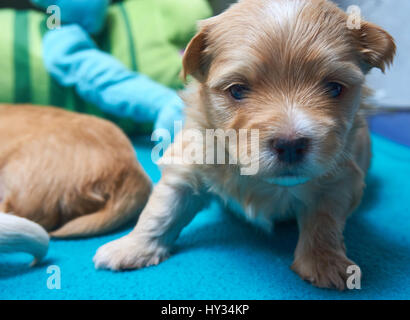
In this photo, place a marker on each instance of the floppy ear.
(193, 61)
(377, 47)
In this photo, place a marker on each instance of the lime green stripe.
(130, 37)
(40, 80)
(22, 91)
(117, 29)
(57, 95)
(7, 77)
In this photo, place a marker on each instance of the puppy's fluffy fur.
(284, 52)
(22, 235)
(75, 175)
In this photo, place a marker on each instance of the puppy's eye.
(334, 89)
(238, 91)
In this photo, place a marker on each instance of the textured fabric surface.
(145, 36)
(394, 126)
(220, 257)
(90, 15)
(73, 59)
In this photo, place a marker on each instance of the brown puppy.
(73, 174)
(294, 71)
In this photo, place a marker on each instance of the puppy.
(75, 175)
(294, 71)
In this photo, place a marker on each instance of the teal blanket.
(220, 257)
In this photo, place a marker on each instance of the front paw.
(324, 271)
(129, 252)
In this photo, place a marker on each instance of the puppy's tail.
(21, 235)
(123, 206)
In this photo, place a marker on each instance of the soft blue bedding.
(220, 257)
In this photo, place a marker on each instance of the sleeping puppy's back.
(75, 175)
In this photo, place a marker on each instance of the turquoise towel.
(220, 257)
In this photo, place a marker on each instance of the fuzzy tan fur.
(284, 51)
(75, 175)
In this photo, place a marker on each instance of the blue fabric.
(392, 125)
(220, 257)
(73, 59)
(89, 14)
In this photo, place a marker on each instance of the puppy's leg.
(320, 255)
(172, 205)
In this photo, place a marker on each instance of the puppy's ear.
(193, 61)
(377, 47)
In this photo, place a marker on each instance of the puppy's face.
(291, 69)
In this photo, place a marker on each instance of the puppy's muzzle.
(290, 151)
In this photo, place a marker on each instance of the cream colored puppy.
(294, 71)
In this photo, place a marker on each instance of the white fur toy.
(22, 235)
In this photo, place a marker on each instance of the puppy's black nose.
(290, 151)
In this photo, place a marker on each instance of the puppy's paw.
(127, 253)
(324, 272)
